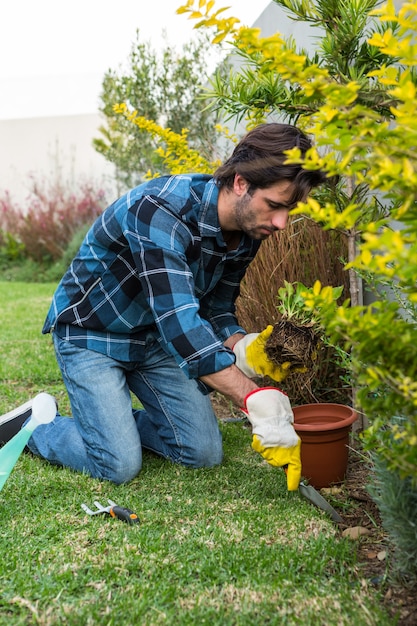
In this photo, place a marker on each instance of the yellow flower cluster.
(178, 157)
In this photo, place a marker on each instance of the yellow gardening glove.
(252, 360)
(270, 413)
(289, 458)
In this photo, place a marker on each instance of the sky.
(53, 55)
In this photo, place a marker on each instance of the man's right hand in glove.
(269, 411)
(252, 359)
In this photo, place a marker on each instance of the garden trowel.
(311, 494)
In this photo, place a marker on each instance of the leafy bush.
(397, 502)
(43, 231)
(55, 272)
(356, 95)
(164, 86)
(10, 248)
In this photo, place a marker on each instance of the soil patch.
(291, 342)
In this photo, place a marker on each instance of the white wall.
(43, 146)
(50, 147)
(274, 19)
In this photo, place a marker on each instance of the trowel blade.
(311, 494)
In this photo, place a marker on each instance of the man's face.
(265, 211)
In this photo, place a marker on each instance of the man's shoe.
(12, 422)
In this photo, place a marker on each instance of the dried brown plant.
(304, 253)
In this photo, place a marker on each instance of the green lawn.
(223, 546)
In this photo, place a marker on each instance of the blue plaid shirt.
(155, 259)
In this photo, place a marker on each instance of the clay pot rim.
(351, 416)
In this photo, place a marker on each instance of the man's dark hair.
(260, 158)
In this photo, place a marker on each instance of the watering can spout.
(43, 412)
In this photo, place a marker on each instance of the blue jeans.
(105, 436)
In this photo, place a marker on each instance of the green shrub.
(396, 499)
(43, 230)
(10, 248)
(55, 272)
(23, 270)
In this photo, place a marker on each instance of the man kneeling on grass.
(148, 306)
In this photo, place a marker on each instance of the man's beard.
(246, 219)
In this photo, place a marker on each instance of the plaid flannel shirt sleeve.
(154, 258)
(167, 253)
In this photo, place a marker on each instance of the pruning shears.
(119, 512)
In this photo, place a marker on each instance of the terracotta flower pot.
(324, 432)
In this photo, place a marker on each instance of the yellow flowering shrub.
(364, 124)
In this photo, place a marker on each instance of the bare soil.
(358, 510)
(291, 342)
